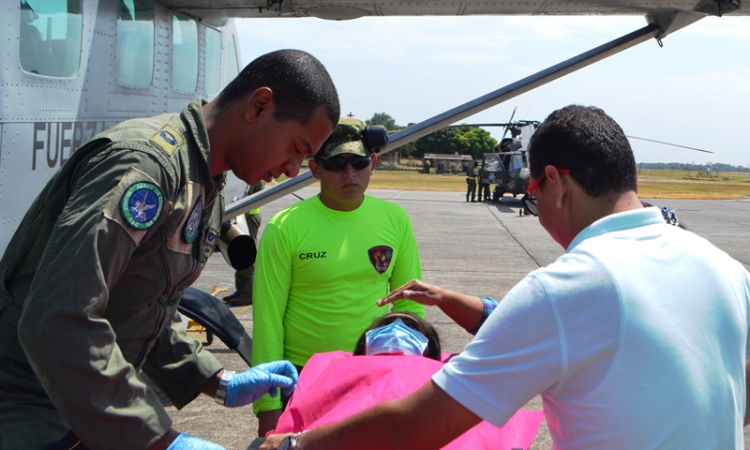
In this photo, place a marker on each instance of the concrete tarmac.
(476, 248)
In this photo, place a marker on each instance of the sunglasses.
(529, 200)
(338, 164)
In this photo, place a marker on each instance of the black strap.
(69, 442)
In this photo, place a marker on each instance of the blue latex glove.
(250, 385)
(185, 441)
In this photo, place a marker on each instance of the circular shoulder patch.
(141, 205)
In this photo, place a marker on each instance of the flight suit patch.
(380, 257)
(113, 211)
(193, 224)
(167, 139)
(177, 242)
(210, 239)
(141, 205)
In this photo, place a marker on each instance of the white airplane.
(72, 68)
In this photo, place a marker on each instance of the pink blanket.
(336, 385)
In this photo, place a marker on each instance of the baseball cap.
(346, 138)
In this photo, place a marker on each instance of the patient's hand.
(272, 441)
(267, 421)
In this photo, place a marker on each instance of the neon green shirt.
(318, 274)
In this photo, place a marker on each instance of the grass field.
(651, 184)
(667, 184)
(681, 185)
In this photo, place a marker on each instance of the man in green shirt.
(91, 281)
(324, 262)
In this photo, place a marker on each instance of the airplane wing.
(662, 16)
(352, 9)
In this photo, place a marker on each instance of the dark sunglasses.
(529, 200)
(338, 164)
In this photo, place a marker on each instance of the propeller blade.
(509, 122)
(669, 143)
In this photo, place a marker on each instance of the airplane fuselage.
(75, 68)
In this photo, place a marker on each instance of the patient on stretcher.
(393, 358)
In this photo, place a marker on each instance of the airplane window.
(213, 62)
(184, 54)
(233, 66)
(50, 37)
(135, 42)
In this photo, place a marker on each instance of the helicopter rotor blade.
(669, 143)
(509, 122)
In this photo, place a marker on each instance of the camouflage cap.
(346, 138)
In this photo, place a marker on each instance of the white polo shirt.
(636, 338)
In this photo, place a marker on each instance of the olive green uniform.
(89, 294)
(471, 183)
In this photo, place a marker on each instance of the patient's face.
(396, 337)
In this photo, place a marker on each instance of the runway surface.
(475, 248)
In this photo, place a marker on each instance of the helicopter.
(508, 167)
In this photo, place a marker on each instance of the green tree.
(463, 140)
(441, 142)
(476, 142)
(410, 148)
(389, 123)
(384, 119)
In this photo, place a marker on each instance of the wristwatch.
(221, 390)
(290, 442)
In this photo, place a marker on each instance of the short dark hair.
(589, 143)
(426, 328)
(300, 84)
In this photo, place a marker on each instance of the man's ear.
(258, 104)
(374, 163)
(558, 184)
(314, 168)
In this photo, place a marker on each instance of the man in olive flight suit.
(90, 282)
(471, 182)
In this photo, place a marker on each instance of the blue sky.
(695, 91)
